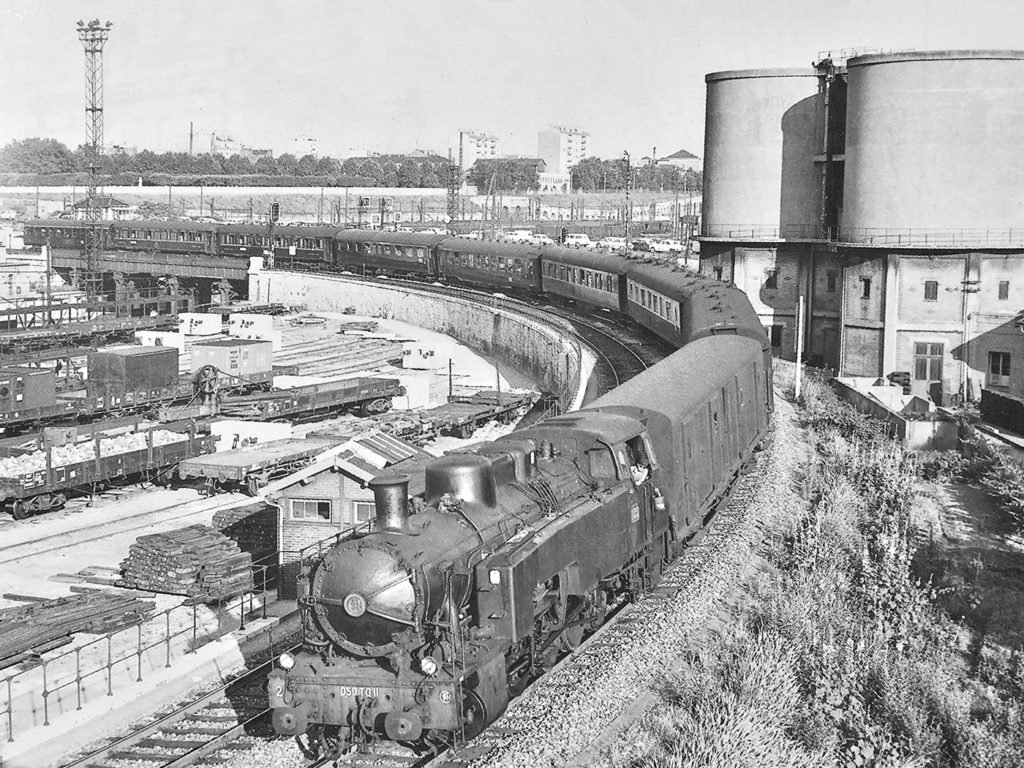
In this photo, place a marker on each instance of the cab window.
(602, 463)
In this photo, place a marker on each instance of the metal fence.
(68, 671)
(923, 237)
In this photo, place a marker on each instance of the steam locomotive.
(484, 566)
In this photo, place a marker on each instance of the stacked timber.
(199, 562)
(253, 527)
(46, 624)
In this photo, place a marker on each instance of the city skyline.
(407, 75)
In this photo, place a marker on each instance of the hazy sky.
(399, 74)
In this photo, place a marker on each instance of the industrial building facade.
(888, 191)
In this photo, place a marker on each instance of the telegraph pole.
(93, 36)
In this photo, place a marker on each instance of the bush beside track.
(841, 657)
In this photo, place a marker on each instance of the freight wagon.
(363, 395)
(250, 469)
(34, 481)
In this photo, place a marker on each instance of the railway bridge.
(123, 272)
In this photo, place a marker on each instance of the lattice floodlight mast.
(454, 184)
(93, 35)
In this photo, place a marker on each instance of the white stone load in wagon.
(64, 455)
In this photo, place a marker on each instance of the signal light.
(275, 212)
(286, 660)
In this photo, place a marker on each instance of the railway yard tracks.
(232, 716)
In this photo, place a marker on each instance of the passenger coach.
(367, 250)
(585, 276)
(301, 247)
(488, 263)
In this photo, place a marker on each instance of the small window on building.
(865, 287)
(1004, 290)
(999, 364)
(831, 278)
(775, 334)
(928, 361)
(311, 509)
(931, 290)
(771, 278)
(363, 511)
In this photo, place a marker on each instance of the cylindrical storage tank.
(763, 129)
(934, 154)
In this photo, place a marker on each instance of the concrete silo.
(763, 129)
(934, 149)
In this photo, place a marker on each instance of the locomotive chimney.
(391, 498)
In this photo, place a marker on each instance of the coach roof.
(578, 257)
(489, 248)
(386, 237)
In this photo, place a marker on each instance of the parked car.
(516, 236)
(613, 243)
(434, 231)
(541, 239)
(660, 246)
(676, 246)
(578, 240)
(643, 244)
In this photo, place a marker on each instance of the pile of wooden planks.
(253, 527)
(40, 626)
(199, 562)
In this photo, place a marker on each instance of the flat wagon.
(364, 395)
(250, 469)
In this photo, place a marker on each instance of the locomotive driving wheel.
(474, 715)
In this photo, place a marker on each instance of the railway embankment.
(540, 347)
(862, 638)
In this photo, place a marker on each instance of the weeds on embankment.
(840, 657)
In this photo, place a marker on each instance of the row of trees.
(596, 175)
(47, 157)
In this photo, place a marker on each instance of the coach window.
(865, 287)
(717, 272)
(931, 290)
(1004, 290)
(771, 278)
(830, 280)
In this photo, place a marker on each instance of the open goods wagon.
(364, 395)
(459, 417)
(250, 469)
(34, 481)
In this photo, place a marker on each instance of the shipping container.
(125, 377)
(26, 389)
(251, 360)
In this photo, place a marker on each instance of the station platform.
(72, 729)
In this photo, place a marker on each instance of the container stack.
(199, 562)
